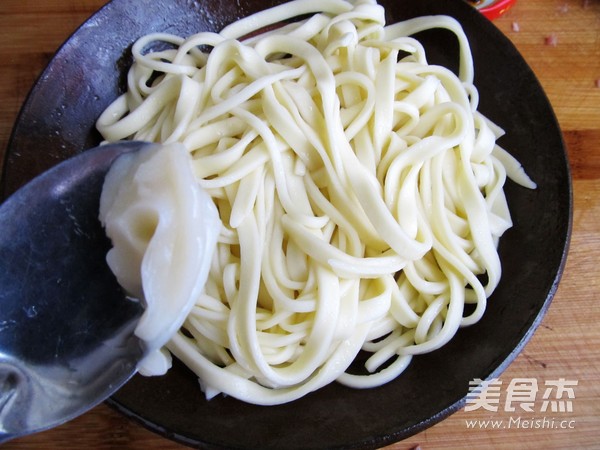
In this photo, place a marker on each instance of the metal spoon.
(66, 326)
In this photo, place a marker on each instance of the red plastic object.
(495, 9)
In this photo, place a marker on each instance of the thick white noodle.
(360, 190)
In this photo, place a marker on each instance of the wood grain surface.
(560, 39)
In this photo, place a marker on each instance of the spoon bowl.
(66, 326)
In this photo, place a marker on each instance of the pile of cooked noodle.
(360, 192)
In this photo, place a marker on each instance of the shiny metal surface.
(66, 327)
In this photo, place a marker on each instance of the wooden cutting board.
(561, 41)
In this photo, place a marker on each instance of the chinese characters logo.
(521, 395)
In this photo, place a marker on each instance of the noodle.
(360, 193)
